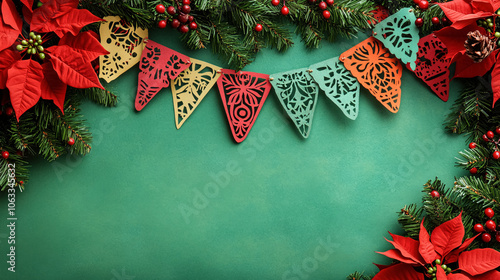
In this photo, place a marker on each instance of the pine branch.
(359, 276)
(410, 218)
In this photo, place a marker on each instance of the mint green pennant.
(298, 94)
(399, 34)
(338, 84)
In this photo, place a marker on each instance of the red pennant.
(25, 78)
(432, 65)
(158, 66)
(379, 14)
(243, 95)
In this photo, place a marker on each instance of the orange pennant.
(377, 70)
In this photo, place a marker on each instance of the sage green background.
(273, 202)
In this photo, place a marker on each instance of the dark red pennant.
(379, 14)
(158, 66)
(243, 95)
(432, 65)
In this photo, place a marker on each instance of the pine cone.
(478, 46)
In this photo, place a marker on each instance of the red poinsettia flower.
(54, 55)
(463, 14)
(435, 255)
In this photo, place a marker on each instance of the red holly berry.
(419, 22)
(490, 224)
(435, 20)
(490, 134)
(485, 138)
(496, 154)
(472, 145)
(330, 2)
(258, 27)
(160, 9)
(71, 141)
(175, 23)
(473, 170)
(478, 228)
(184, 29)
(186, 2)
(444, 20)
(322, 5)
(435, 194)
(193, 25)
(275, 2)
(183, 18)
(285, 11)
(9, 111)
(186, 9)
(171, 10)
(21, 182)
(424, 5)
(162, 24)
(489, 212)
(486, 237)
(190, 18)
(497, 130)
(326, 14)
(5, 154)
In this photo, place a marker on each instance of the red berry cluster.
(489, 228)
(424, 5)
(488, 137)
(284, 10)
(323, 5)
(181, 20)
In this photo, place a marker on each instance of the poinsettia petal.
(448, 236)
(396, 254)
(479, 261)
(453, 256)
(461, 13)
(71, 68)
(10, 15)
(457, 276)
(73, 22)
(86, 44)
(27, 15)
(425, 247)
(408, 247)
(492, 275)
(8, 36)
(7, 57)
(454, 39)
(52, 9)
(28, 4)
(25, 78)
(383, 266)
(52, 87)
(467, 68)
(400, 271)
(482, 5)
(495, 83)
(440, 273)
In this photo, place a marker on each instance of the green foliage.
(358, 276)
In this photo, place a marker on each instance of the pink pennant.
(243, 95)
(158, 66)
(432, 65)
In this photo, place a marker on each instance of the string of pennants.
(373, 63)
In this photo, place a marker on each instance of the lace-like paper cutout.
(379, 14)
(399, 34)
(158, 66)
(338, 84)
(376, 70)
(243, 95)
(191, 86)
(124, 44)
(432, 65)
(298, 94)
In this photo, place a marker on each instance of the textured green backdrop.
(153, 202)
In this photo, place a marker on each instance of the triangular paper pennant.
(191, 86)
(338, 84)
(432, 65)
(399, 34)
(376, 70)
(124, 44)
(243, 95)
(379, 14)
(158, 66)
(298, 94)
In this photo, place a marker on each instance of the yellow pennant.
(124, 43)
(191, 86)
